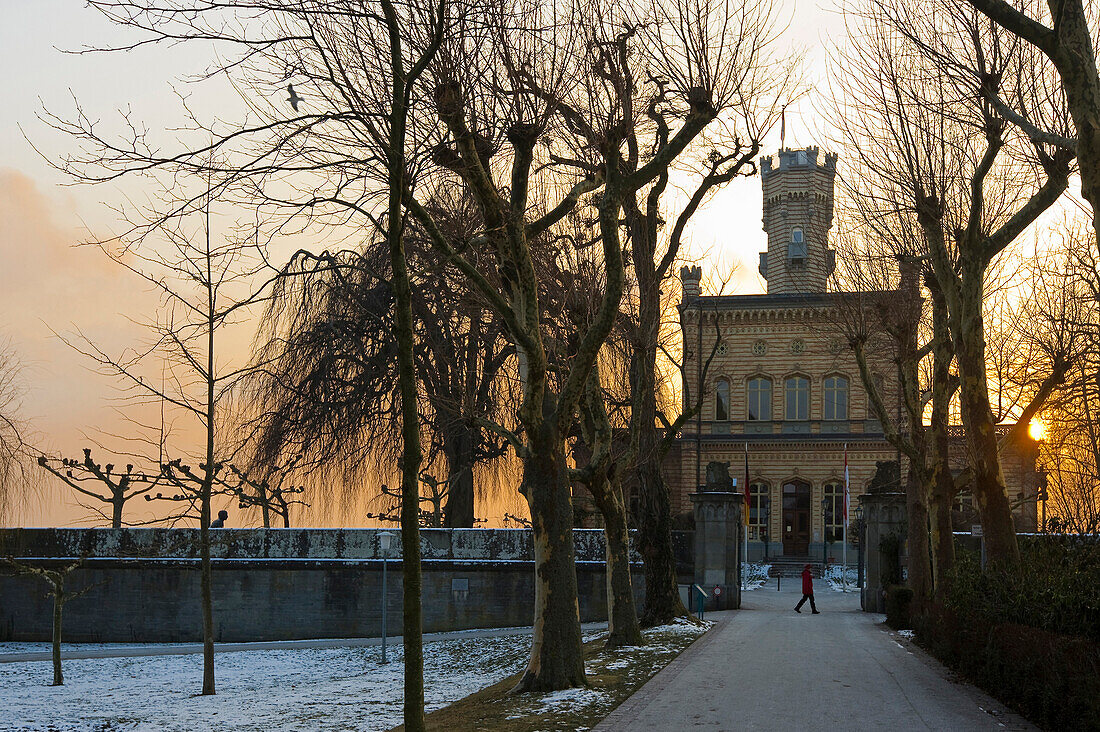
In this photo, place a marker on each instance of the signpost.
(976, 530)
(702, 599)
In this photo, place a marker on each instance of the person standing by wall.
(807, 591)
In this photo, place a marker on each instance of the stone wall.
(278, 584)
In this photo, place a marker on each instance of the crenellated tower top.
(798, 213)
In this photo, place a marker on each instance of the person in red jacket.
(807, 591)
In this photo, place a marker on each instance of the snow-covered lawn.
(300, 689)
(613, 675)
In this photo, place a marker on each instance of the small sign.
(717, 591)
(976, 530)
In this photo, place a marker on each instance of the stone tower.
(798, 213)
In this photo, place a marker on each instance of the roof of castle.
(798, 300)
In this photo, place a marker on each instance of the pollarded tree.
(1063, 32)
(971, 183)
(271, 494)
(83, 475)
(648, 60)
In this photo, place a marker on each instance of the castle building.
(783, 391)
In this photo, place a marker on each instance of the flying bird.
(293, 98)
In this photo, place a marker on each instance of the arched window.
(759, 398)
(722, 400)
(836, 398)
(797, 398)
(834, 511)
(759, 510)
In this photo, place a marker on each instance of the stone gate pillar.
(718, 545)
(883, 514)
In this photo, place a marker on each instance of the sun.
(1037, 430)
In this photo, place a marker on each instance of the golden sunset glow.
(1037, 430)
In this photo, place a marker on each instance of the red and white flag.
(748, 493)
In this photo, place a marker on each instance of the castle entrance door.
(796, 518)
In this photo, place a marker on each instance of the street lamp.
(385, 539)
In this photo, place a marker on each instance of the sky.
(51, 287)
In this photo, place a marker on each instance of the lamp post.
(385, 539)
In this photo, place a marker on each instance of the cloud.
(50, 283)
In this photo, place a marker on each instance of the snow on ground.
(301, 689)
(638, 663)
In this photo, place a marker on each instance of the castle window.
(836, 398)
(759, 399)
(722, 400)
(798, 398)
(796, 250)
(834, 511)
(758, 510)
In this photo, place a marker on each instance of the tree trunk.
(990, 492)
(1075, 59)
(916, 491)
(206, 591)
(662, 592)
(943, 483)
(557, 660)
(58, 604)
(459, 449)
(411, 455)
(117, 503)
(943, 541)
(265, 504)
(623, 628)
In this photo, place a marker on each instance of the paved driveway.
(766, 668)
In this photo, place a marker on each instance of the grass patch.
(613, 675)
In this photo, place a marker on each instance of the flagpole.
(745, 523)
(844, 551)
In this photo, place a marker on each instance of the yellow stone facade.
(783, 385)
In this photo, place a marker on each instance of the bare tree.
(206, 286)
(1063, 32)
(327, 387)
(971, 184)
(13, 429)
(1070, 446)
(490, 115)
(56, 579)
(120, 487)
(271, 494)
